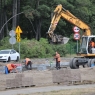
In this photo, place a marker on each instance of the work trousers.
(57, 65)
(6, 70)
(29, 65)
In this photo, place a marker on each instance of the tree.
(3, 18)
(35, 12)
(37, 18)
(14, 13)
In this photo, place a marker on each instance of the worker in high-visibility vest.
(91, 45)
(28, 64)
(9, 67)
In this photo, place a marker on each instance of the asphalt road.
(43, 89)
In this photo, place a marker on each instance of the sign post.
(18, 31)
(76, 35)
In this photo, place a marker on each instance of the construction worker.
(57, 57)
(91, 45)
(28, 63)
(9, 68)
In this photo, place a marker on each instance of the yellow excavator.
(86, 56)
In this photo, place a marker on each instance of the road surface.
(43, 89)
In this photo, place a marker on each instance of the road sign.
(76, 29)
(12, 40)
(12, 33)
(18, 37)
(76, 36)
(18, 30)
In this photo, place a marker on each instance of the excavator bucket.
(65, 40)
(59, 39)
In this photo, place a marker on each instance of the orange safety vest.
(9, 66)
(58, 57)
(26, 60)
(92, 44)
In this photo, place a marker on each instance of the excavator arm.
(59, 13)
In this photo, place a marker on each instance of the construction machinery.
(86, 56)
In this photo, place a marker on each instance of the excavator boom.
(59, 13)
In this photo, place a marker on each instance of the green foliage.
(60, 49)
(43, 9)
(83, 2)
(4, 44)
(36, 49)
(28, 11)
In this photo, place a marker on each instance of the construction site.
(44, 73)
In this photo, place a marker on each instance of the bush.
(36, 49)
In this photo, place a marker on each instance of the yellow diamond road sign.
(18, 30)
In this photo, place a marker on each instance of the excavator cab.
(84, 45)
(86, 48)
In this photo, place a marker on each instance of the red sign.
(76, 29)
(76, 36)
